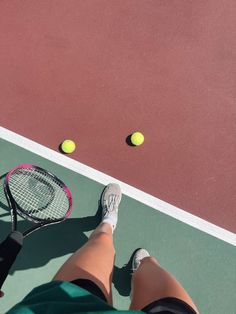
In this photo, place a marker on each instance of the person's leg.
(95, 260)
(150, 282)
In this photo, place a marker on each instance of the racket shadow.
(52, 241)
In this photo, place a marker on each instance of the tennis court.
(96, 71)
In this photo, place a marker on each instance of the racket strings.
(39, 194)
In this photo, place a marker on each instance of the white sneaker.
(110, 201)
(138, 256)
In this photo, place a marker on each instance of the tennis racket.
(38, 196)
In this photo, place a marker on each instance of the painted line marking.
(128, 190)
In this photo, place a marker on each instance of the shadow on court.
(56, 241)
(49, 242)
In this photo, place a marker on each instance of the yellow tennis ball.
(137, 138)
(68, 146)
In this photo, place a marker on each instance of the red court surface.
(95, 71)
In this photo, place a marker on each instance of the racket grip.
(9, 250)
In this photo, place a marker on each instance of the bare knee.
(150, 260)
(148, 268)
(102, 237)
(146, 263)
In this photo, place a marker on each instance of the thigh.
(152, 283)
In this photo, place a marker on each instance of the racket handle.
(9, 250)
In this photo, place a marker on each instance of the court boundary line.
(100, 177)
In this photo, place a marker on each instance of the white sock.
(111, 220)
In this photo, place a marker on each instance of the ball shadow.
(60, 149)
(128, 141)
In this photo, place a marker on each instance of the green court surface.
(203, 264)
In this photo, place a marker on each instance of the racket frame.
(16, 209)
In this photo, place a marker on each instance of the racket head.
(37, 194)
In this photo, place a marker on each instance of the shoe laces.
(112, 204)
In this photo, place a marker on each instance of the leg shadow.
(122, 277)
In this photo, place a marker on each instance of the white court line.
(130, 191)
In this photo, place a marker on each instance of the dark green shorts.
(61, 297)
